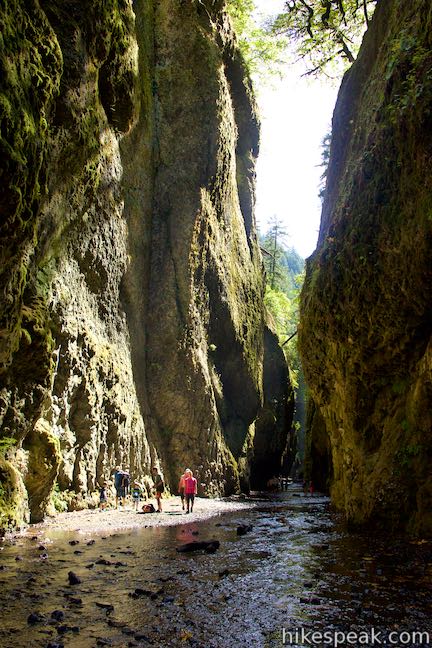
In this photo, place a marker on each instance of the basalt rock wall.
(132, 318)
(366, 306)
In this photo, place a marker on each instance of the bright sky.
(296, 114)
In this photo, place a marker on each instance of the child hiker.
(190, 489)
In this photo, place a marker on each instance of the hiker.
(190, 489)
(137, 493)
(181, 488)
(103, 498)
(121, 483)
(159, 487)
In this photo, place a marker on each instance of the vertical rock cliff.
(366, 306)
(132, 319)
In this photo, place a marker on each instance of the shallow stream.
(297, 572)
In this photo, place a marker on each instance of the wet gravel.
(291, 569)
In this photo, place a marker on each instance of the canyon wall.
(132, 319)
(366, 314)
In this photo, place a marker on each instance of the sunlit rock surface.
(132, 320)
(366, 305)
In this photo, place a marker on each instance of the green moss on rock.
(365, 331)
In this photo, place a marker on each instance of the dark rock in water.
(43, 556)
(103, 561)
(91, 542)
(73, 600)
(223, 573)
(73, 542)
(113, 623)
(106, 606)
(310, 600)
(209, 546)
(195, 533)
(168, 599)
(100, 641)
(127, 631)
(139, 591)
(18, 558)
(140, 636)
(42, 547)
(62, 629)
(54, 644)
(35, 617)
(58, 615)
(242, 529)
(77, 552)
(90, 566)
(73, 578)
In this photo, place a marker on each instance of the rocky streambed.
(290, 571)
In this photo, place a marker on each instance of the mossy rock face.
(365, 334)
(13, 497)
(132, 327)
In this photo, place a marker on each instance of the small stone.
(91, 542)
(127, 631)
(73, 578)
(106, 606)
(58, 615)
(113, 623)
(35, 617)
(140, 636)
(73, 542)
(74, 600)
(223, 573)
(168, 599)
(242, 529)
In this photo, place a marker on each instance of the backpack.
(125, 482)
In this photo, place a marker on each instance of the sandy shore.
(111, 520)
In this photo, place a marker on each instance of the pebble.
(242, 529)
(35, 617)
(106, 606)
(73, 578)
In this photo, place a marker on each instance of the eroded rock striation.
(366, 306)
(132, 318)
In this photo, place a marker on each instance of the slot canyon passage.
(134, 333)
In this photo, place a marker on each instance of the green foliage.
(263, 50)
(325, 158)
(285, 275)
(326, 34)
(59, 500)
(6, 444)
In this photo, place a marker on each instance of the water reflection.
(296, 570)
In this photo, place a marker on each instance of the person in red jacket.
(190, 489)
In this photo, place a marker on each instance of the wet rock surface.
(298, 570)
